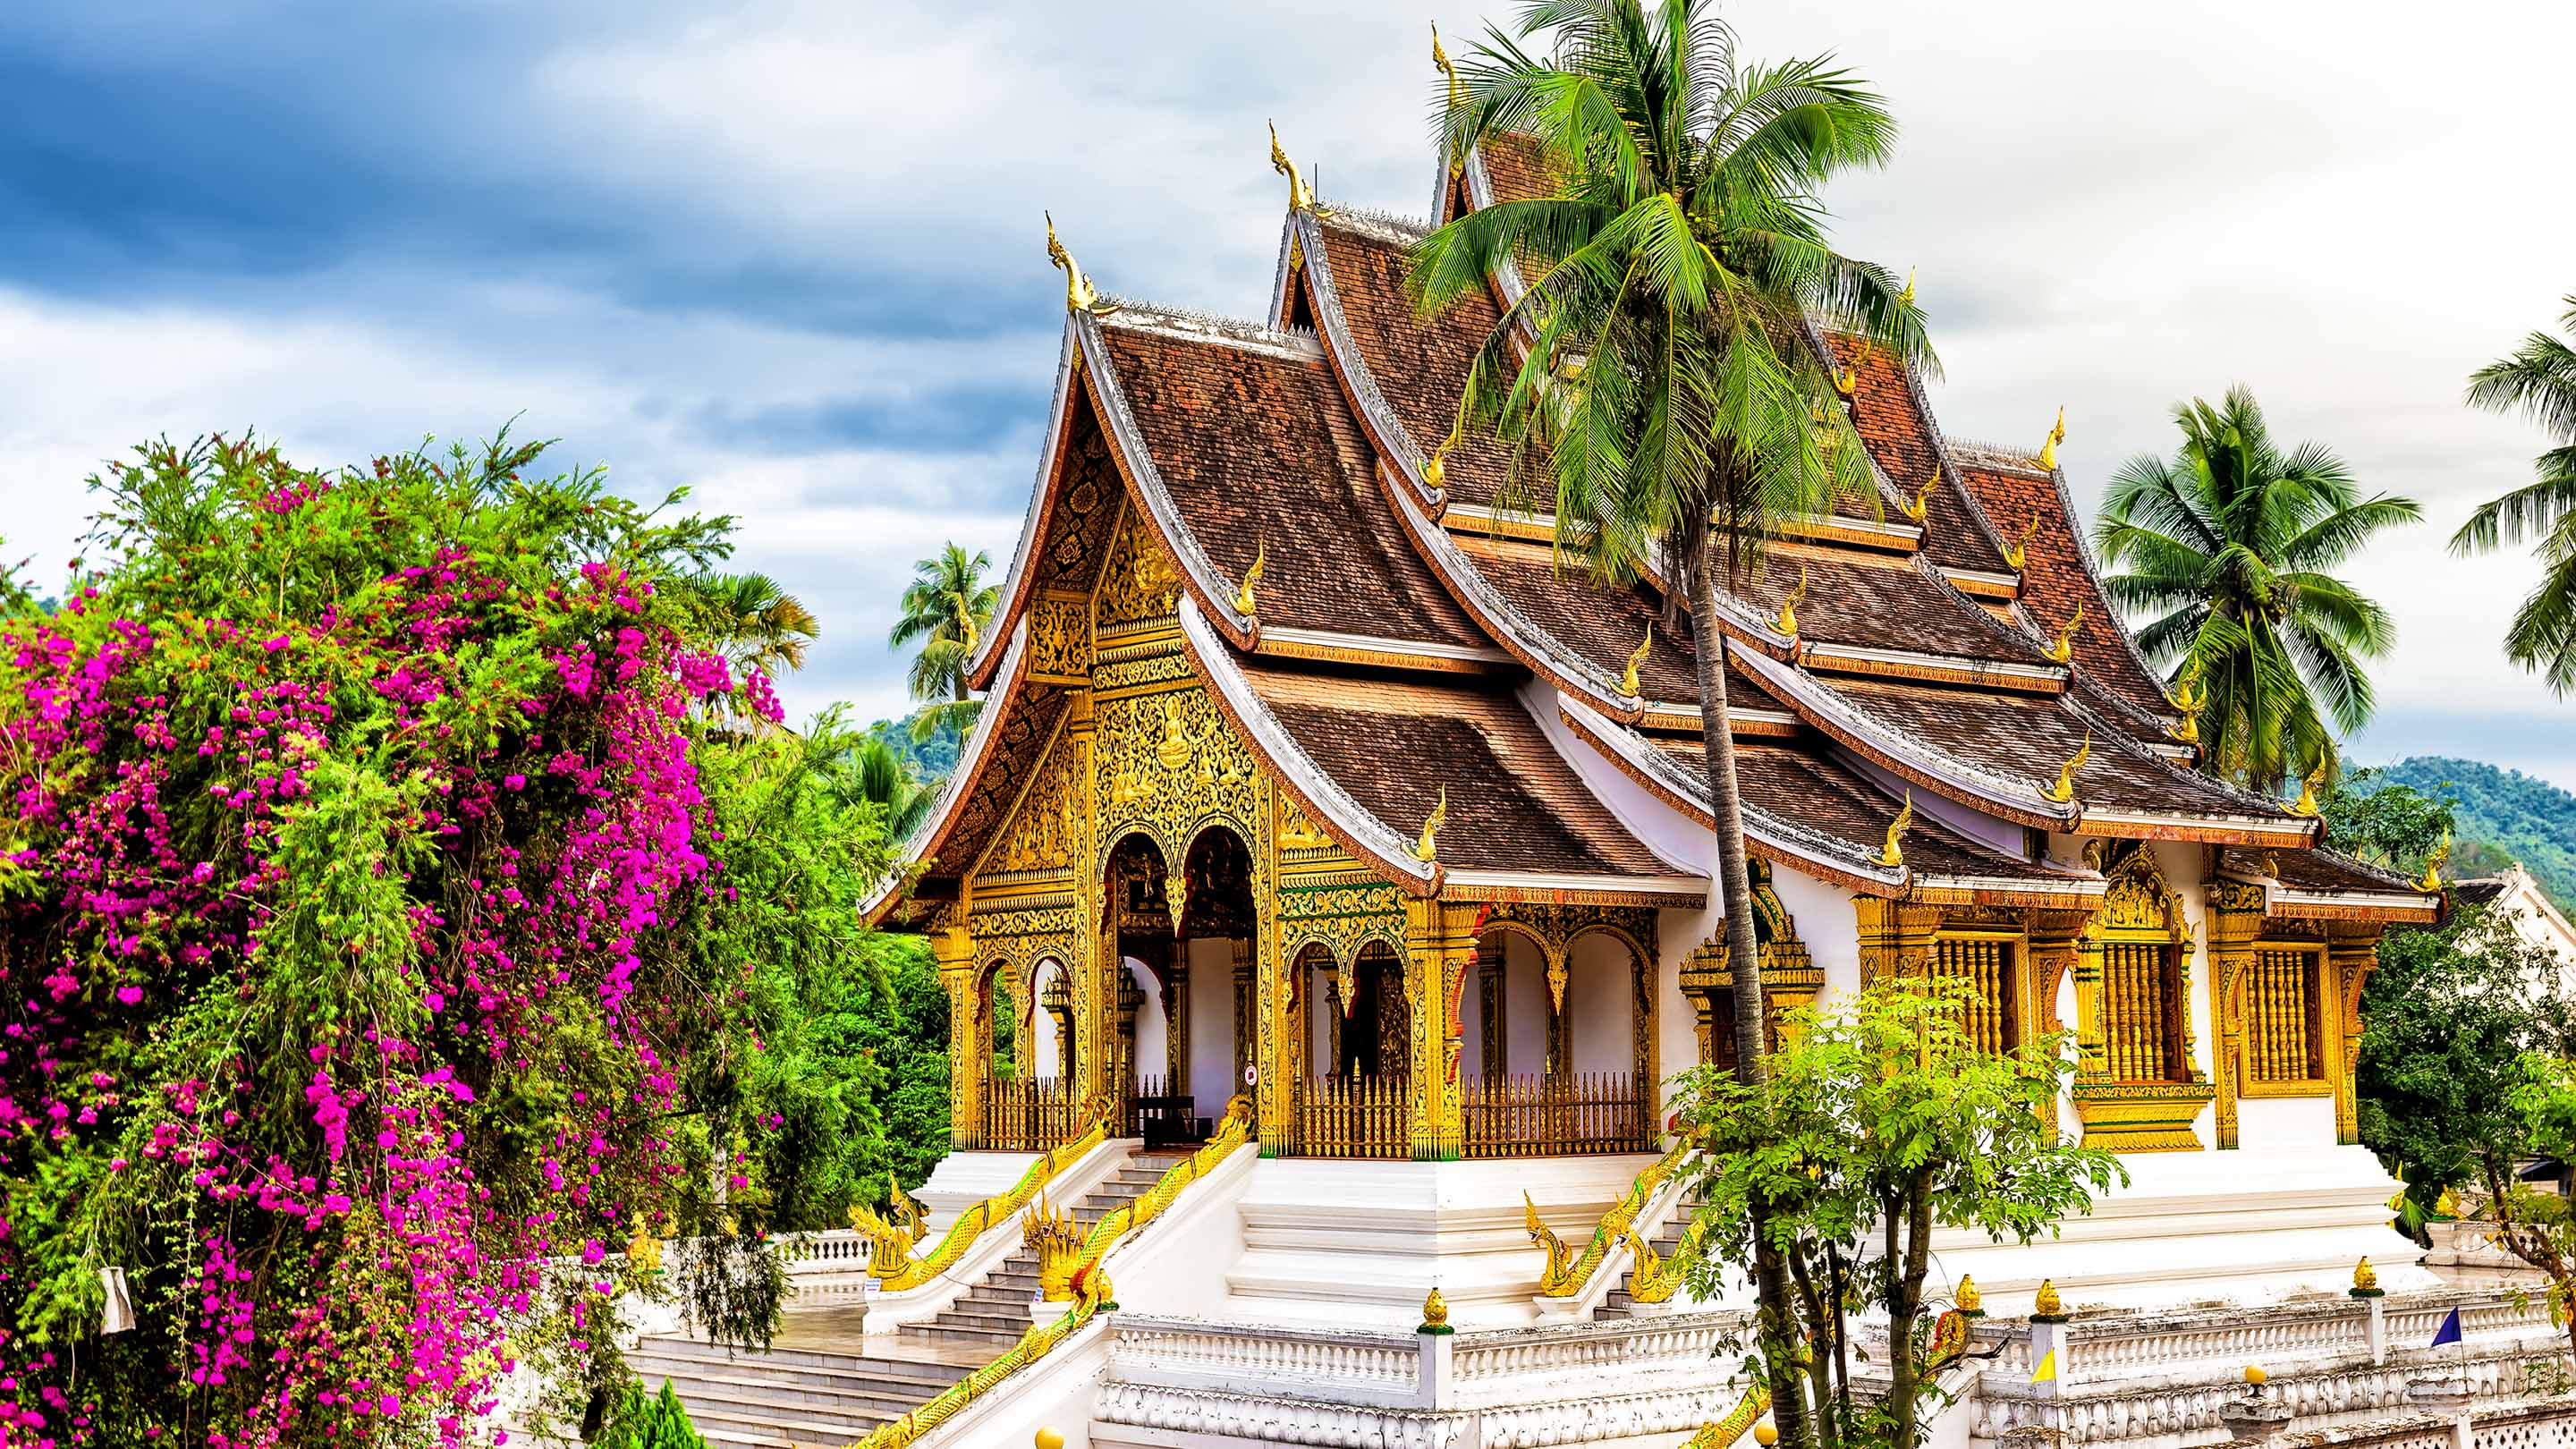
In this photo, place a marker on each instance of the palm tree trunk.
(1735, 891)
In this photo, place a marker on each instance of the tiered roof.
(1411, 636)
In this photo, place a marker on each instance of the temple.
(1323, 899)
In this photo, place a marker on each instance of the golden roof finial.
(1440, 58)
(1846, 380)
(2188, 695)
(1907, 296)
(2186, 733)
(1920, 510)
(1435, 470)
(2431, 884)
(2305, 807)
(1969, 1299)
(2017, 552)
(1628, 678)
(1787, 621)
(1299, 198)
(1079, 294)
(1244, 602)
(2063, 791)
(2064, 649)
(2056, 435)
(1893, 857)
(1427, 849)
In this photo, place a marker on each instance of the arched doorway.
(1142, 927)
(1557, 1051)
(1208, 985)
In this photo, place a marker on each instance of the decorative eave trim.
(2285, 831)
(1206, 583)
(1935, 668)
(980, 668)
(1283, 275)
(1979, 584)
(2353, 906)
(1369, 840)
(1858, 532)
(1782, 842)
(1546, 887)
(1382, 653)
(1973, 890)
(1476, 521)
(1773, 724)
(935, 827)
(2017, 801)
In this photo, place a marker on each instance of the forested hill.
(2502, 814)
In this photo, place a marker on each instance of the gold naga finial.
(1846, 380)
(2056, 435)
(2305, 807)
(1244, 603)
(2064, 649)
(2063, 791)
(1628, 678)
(1440, 59)
(2186, 733)
(1893, 857)
(2017, 552)
(1435, 471)
(1299, 197)
(2431, 884)
(1907, 296)
(1787, 621)
(1969, 1299)
(1079, 294)
(1427, 849)
(2047, 1304)
(1920, 510)
(2188, 693)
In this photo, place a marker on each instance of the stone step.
(779, 1423)
(748, 1394)
(994, 1339)
(1012, 1324)
(791, 1365)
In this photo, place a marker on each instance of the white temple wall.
(1044, 1060)
(1471, 1018)
(1829, 925)
(1677, 934)
(1600, 1005)
(1986, 830)
(1153, 1058)
(2269, 1123)
(1211, 1019)
(1525, 1006)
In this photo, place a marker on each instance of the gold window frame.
(2323, 1044)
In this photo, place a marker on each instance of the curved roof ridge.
(1384, 225)
(1295, 342)
(981, 665)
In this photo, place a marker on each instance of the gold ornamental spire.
(1628, 679)
(1787, 620)
(1440, 59)
(1893, 857)
(1244, 602)
(2186, 733)
(1299, 197)
(2064, 649)
(1846, 381)
(2431, 884)
(2188, 693)
(1921, 508)
(2047, 1304)
(1427, 849)
(1907, 296)
(2063, 791)
(2017, 552)
(1079, 294)
(1969, 1299)
(2305, 807)
(2056, 435)
(1435, 470)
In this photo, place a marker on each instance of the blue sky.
(789, 254)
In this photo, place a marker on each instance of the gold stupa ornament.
(1970, 1300)
(2056, 435)
(1435, 1312)
(1893, 856)
(1427, 848)
(1244, 601)
(1628, 683)
(2365, 1280)
(2047, 1307)
(1786, 622)
(2064, 647)
(2062, 792)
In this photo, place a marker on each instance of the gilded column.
(1439, 941)
(1277, 1033)
(2235, 918)
(1895, 937)
(1176, 1021)
(954, 951)
(1244, 1029)
(2349, 961)
(2057, 949)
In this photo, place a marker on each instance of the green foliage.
(1881, 1121)
(2537, 382)
(659, 1422)
(2530, 820)
(2448, 1018)
(2378, 820)
(2227, 547)
(944, 613)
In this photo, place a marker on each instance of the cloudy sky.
(789, 254)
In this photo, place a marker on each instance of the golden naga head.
(1786, 622)
(1921, 508)
(2056, 435)
(1299, 197)
(1907, 296)
(1628, 682)
(2017, 552)
(1440, 62)
(1427, 848)
(2431, 884)
(1079, 294)
(1435, 469)
(1244, 601)
(2063, 791)
(2064, 649)
(2305, 807)
(1846, 381)
(1893, 856)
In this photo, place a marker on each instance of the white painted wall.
(1471, 1015)
(1677, 934)
(1211, 1018)
(1600, 1005)
(1525, 1007)
(1827, 923)
(1042, 1043)
(2277, 1123)
(1151, 1058)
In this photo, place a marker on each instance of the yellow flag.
(2046, 1373)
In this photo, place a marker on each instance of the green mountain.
(2503, 815)
(930, 759)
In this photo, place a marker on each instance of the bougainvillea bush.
(374, 960)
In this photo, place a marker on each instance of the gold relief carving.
(1132, 668)
(1170, 766)
(1296, 832)
(1174, 747)
(1059, 637)
(1084, 511)
(1040, 836)
(2138, 1091)
(1341, 919)
(1139, 583)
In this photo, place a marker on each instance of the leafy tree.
(1881, 1121)
(2537, 382)
(2526, 819)
(660, 1422)
(1669, 414)
(945, 612)
(2376, 819)
(759, 627)
(382, 919)
(880, 774)
(2448, 1017)
(2227, 545)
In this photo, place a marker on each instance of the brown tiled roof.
(1420, 368)
(1517, 167)
(1882, 602)
(1514, 803)
(1901, 439)
(1597, 622)
(1801, 783)
(1260, 453)
(2332, 870)
(2055, 577)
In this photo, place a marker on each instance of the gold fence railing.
(1025, 1115)
(1563, 1114)
(1354, 1117)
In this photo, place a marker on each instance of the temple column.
(1244, 1030)
(2235, 918)
(2350, 958)
(1895, 937)
(2056, 950)
(954, 952)
(1176, 1021)
(1493, 1048)
(1439, 942)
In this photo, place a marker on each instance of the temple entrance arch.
(1207, 984)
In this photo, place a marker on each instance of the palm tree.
(2227, 546)
(877, 773)
(1665, 409)
(761, 625)
(946, 609)
(2539, 382)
